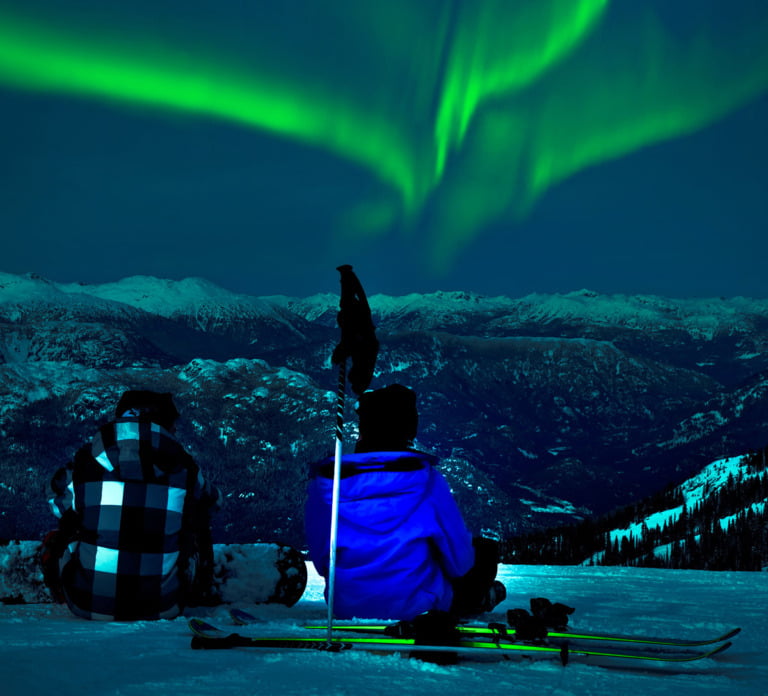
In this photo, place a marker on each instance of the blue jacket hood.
(384, 488)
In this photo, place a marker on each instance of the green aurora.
(466, 113)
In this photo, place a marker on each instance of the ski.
(207, 636)
(509, 634)
(497, 631)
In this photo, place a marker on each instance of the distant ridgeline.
(716, 520)
(544, 410)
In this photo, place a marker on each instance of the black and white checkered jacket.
(135, 494)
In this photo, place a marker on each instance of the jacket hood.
(127, 446)
(383, 489)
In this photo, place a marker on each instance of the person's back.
(401, 538)
(402, 544)
(128, 504)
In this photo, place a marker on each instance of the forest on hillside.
(727, 529)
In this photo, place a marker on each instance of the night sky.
(495, 146)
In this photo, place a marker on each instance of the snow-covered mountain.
(544, 409)
(715, 520)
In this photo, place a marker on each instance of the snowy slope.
(694, 491)
(153, 295)
(44, 650)
(702, 318)
(717, 502)
(194, 297)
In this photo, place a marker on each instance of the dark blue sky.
(655, 177)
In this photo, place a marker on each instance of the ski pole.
(340, 398)
(358, 342)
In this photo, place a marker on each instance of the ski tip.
(242, 618)
(721, 648)
(731, 634)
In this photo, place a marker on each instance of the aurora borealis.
(442, 134)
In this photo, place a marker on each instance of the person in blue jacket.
(402, 546)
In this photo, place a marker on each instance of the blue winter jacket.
(401, 537)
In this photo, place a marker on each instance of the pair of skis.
(474, 641)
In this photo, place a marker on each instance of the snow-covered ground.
(44, 650)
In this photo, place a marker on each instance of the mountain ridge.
(542, 399)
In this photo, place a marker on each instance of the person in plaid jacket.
(134, 538)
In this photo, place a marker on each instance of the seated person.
(402, 546)
(134, 536)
